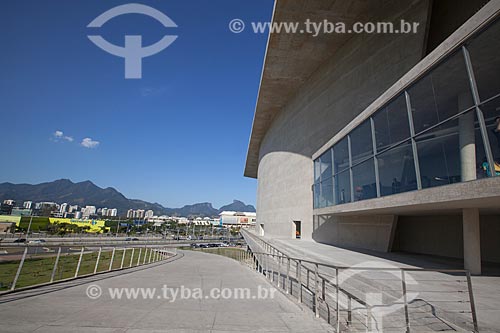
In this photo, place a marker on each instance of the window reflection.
(361, 143)
(444, 92)
(484, 50)
(391, 123)
(397, 170)
(342, 188)
(364, 183)
(341, 155)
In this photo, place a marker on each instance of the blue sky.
(177, 136)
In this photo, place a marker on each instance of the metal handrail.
(349, 295)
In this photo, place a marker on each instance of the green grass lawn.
(232, 253)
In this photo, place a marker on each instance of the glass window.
(441, 94)
(363, 177)
(343, 187)
(440, 157)
(317, 170)
(396, 168)
(491, 112)
(361, 142)
(341, 155)
(326, 197)
(316, 195)
(326, 164)
(484, 50)
(391, 123)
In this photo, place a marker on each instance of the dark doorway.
(298, 229)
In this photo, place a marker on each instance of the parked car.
(20, 240)
(36, 241)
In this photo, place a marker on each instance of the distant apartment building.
(63, 208)
(27, 204)
(46, 204)
(9, 202)
(88, 211)
(130, 213)
(149, 214)
(73, 208)
(139, 214)
(230, 218)
(112, 212)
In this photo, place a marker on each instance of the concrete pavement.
(66, 308)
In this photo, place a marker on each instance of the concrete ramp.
(88, 306)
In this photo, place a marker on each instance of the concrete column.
(472, 240)
(467, 144)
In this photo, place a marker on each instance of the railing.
(52, 265)
(371, 299)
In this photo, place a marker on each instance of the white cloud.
(89, 143)
(59, 136)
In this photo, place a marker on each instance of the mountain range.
(87, 193)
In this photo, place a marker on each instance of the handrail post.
(112, 258)
(299, 278)
(403, 285)
(471, 301)
(349, 310)
(97, 261)
(52, 276)
(287, 284)
(79, 262)
(150, 254)
(139, 257)
(19, 268)
(323, 288)
(123, 257)
(267, 265)
(279, 270)
(272, 268)
(145, 255)
(132, 257)
(337, 305)
(316, 291)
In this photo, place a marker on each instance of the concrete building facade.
(386, 142)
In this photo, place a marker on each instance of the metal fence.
(371, 299)
(61, 264)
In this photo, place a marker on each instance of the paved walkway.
(66, 308)
(486, 288)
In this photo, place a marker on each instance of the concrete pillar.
(467, 143)
(472, 240)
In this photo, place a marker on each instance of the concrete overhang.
(483, 194)
(292, 58)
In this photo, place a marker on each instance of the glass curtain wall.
(443, 129)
